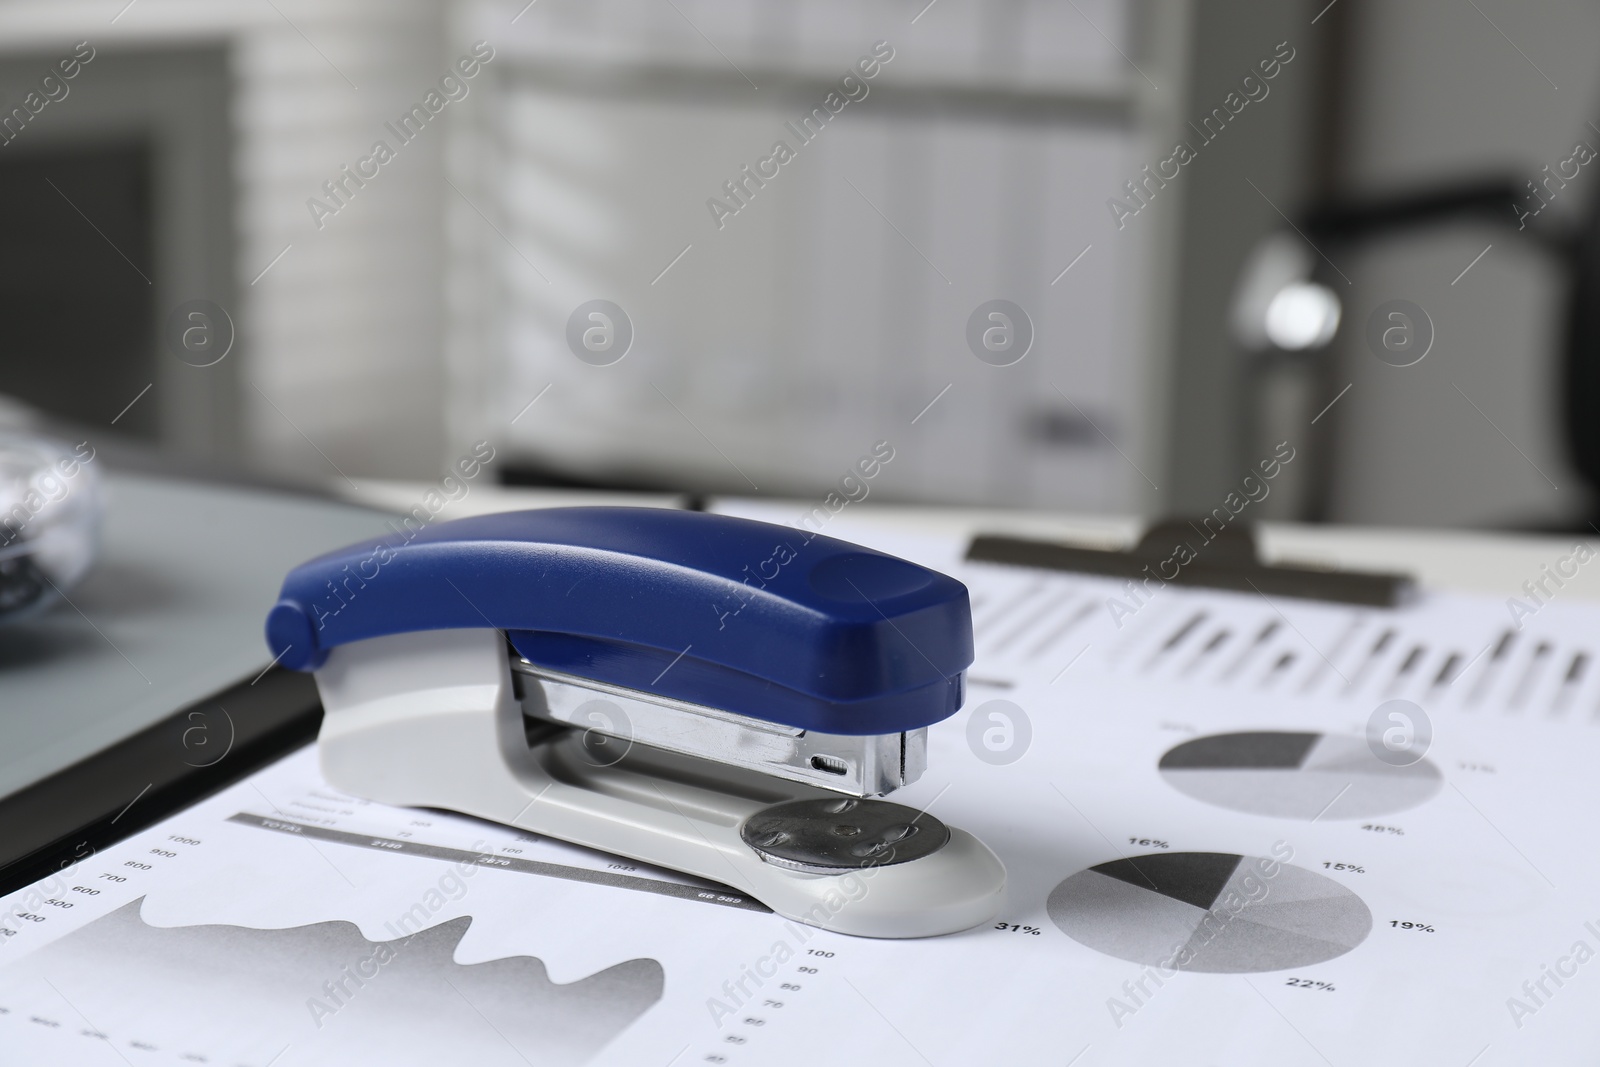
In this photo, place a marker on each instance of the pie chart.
(1210, 912)
(1296, 775)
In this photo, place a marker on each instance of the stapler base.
(432, 719)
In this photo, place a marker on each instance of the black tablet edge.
(91, 805)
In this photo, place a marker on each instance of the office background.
(427, 307)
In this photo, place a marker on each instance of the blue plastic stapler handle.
(767, 621)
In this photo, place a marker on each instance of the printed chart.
(1296, 775)
(182, 994)
(1210, 912)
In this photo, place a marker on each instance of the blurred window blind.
(773, 349)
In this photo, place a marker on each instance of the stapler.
(713, 695)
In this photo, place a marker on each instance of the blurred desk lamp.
(1284, 312)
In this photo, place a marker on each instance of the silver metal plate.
(826, 836)
(860, 766)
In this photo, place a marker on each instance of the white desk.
(1489, 563)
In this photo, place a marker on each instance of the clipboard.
(61, 819)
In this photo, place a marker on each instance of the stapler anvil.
(709, 694)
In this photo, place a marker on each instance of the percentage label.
(1147, 842)
(1017, 928)
(1306, 983)
(1375, 828)
(1401, 925)
(1348, 868)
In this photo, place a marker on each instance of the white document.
(1216, 855)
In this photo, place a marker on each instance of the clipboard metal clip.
(1182, 552)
